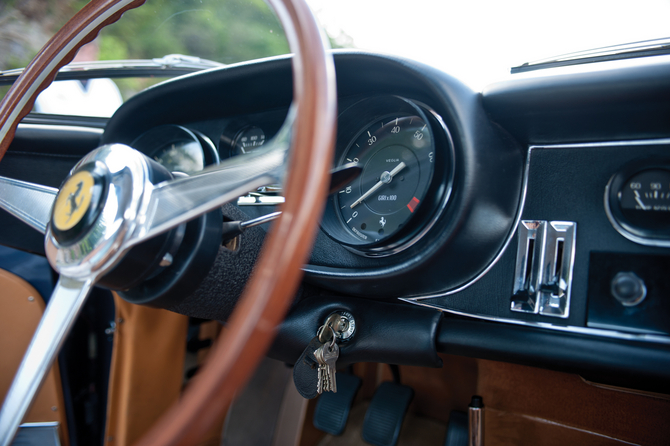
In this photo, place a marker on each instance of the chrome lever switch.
(543, 274)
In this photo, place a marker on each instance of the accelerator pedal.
(332, 409)
(386, 413)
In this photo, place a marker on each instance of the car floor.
(416, 430)
(523, 406)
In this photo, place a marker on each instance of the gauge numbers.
(248, 139)
(397, 157)
(644, 199)
(637, 202)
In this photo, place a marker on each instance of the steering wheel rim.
(267, 296)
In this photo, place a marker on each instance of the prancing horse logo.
(72, 200)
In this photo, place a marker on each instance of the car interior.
(456, 267)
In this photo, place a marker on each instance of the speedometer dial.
(396, 154)
(406, 156)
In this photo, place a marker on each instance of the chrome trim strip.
(418, 300)
(102, 68)
(529, 260)
(517, 220)
(563, 328)
(556, 302)
(636, 142)
(40, 424)
(51, 128)
(260, 220)
(475, 425)
(269, 200)
(659, 141)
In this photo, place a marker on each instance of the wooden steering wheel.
(140, 210)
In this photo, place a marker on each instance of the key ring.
(323, 341)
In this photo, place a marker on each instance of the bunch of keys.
(314, 372)
(326, 357)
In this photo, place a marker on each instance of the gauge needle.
(385, 178)
(639, 201)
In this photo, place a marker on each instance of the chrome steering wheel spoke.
(180, 200)
(115, 198)
(65, 304)
(90, 231)
(30, 203)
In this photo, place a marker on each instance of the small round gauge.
(248, 139)
(638, 203)
(181, 156)
(406, 159)
(177, 148)
(645, 199)
(396, 154)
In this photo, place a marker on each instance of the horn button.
(98, 208)
(78, 204)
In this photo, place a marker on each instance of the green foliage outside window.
(227, 31)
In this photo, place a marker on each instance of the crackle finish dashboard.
(542, 202)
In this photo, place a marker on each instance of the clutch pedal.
(386, 413)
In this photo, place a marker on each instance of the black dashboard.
(528, 213)
(472, 194)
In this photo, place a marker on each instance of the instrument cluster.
(405, 152)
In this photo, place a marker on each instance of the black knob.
(628, 289)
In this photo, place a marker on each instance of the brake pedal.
(386, 413)
(332, 409)
(457, 429)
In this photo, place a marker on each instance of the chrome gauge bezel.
(269, 122)
(351, 123)
(613, 190)
(156, 139)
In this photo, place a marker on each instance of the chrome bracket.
(544, 264)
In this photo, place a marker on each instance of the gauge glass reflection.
(182, 156)
(177, 148)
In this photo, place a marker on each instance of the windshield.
(476, 41)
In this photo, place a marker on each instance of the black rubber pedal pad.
(387, 410)
(457, 429)
(332, 409)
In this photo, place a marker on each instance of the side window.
(85, 97)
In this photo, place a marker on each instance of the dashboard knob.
(628, 289)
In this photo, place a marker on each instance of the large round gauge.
(397, 157)
(385, 207)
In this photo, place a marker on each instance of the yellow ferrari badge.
(73, 200)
